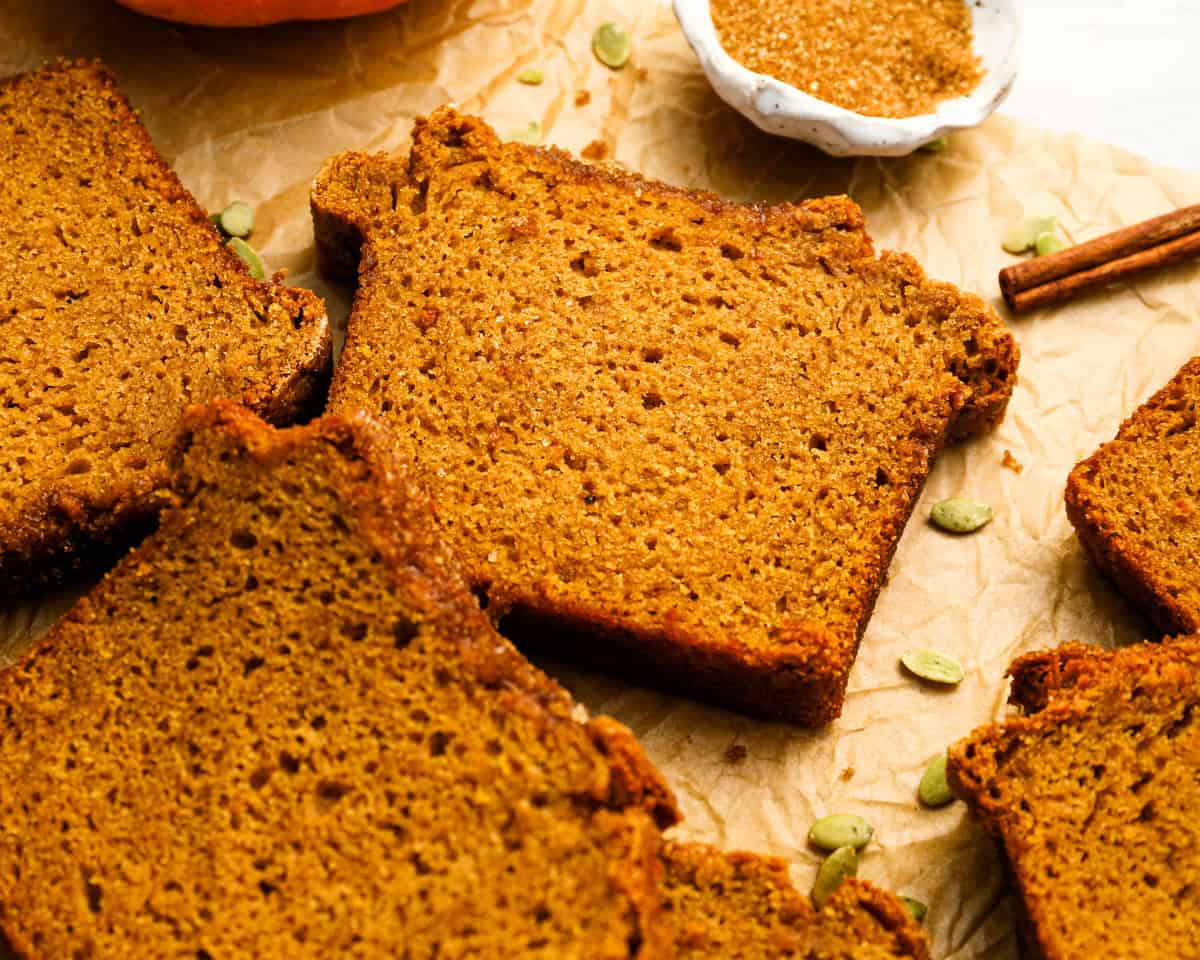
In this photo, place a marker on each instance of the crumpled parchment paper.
(251, 115)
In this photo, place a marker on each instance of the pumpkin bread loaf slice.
(283, 728)
(1094, 800)
(741, 906)
(119, 306)
(1135, 504)
(667, 434)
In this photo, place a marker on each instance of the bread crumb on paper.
(1011, 462)
(596, 150)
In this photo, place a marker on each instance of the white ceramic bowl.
(781, 109)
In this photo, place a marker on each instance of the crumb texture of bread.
(1094, 799)
(1135, 505)
(119, 306)
(742, 906)
(282, 728)
(684, 433)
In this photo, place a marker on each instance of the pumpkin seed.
(532, 76)
(1046, 244)
(250, 256)
(960, 515)
(531, 133)
(933, 666)
(612, 45)
(237, 219)
(934, 791)
(916, 908)
(835, 868)
(1023, 236)
(840, 830)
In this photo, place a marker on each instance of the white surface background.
(1124, 71)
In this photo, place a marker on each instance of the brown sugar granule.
(744, 906)
(666, 434)
(282, 728)
(1011, 462)
(119, 306)
(884, 58)
(1094, 800)
(1132, 505)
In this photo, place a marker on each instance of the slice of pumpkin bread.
(1135, 504)
(667, 434)
(282, 728)
(742, 906)
(1094, 799)
(119, 306)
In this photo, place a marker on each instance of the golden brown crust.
(1063, 683)
(739, 906)
(1037, 677)
(633, 782)
(802, 681)
(783, 648)
(234, 473)
(1078, 794)
(1150, 453)
(895, 926)
(1127, 565)
(66, 526)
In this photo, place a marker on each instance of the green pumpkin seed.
(531, 133)
(934, 791)
(840, 830)
(935, 146)
(1046, 244)
(916, 908)
(612, 45)
(960, 515)
(237, 219)
(250, 256)
(933, 666)
(1023, 236)
(533, 76)
(835, 868)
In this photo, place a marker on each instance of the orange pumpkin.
(253, 13)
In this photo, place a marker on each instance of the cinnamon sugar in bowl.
(856, 76)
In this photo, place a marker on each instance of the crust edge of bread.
(1049, 686)
(1127, 564)
(695, 860)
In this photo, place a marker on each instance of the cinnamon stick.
(1096, 261)
(1065, 287)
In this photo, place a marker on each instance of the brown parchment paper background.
(251, 115)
